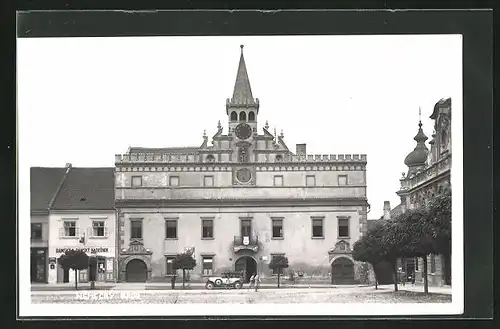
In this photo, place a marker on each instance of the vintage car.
(226, 280)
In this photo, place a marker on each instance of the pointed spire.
(242, 93)
(418, 156)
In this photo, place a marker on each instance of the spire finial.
(266, 125)
(204, 133)
(420, 117)
(281, 135)
(219, 126)
(241, 46)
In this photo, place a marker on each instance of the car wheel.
(218, 282)
(238, 285)
(209, 285)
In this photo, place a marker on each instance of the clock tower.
(242, 109)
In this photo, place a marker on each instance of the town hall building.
(238, 200)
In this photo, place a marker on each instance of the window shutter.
(61, 231)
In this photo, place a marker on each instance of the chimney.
(387, 210)
(301, 149)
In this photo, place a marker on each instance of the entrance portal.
(343, 271)
(247, 265)
(136, 271)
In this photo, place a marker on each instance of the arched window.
(234, 116)
(210, 158)
(243, 116)
(251, 116)
(279, 158)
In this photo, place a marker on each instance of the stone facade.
(240, 200)
(425, 181)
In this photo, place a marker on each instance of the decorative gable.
(136, 247)
(341, 247)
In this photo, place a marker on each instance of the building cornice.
(168, 203)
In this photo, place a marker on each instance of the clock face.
(243, 131)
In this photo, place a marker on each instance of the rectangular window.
(208, 267)
(310, 180)
(136, 181)
(246, 227)
(207, 228)
(433, 263)
(170, 268)
(208, 181)
(69, 228)
(174, 181)
(98, 228)
(343, 227)
(171, 231)
(277, 227)
(317, 227)
(136, 229)
(278, 180)
(342, 180)
(36, 231)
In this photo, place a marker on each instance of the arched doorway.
(136, 271)
(247, 265)
(343, 271)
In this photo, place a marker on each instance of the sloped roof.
(87, 189)
(43, 186)
(396, 211)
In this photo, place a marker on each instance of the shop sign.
(92, 250)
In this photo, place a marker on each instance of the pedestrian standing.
(252, 281)
(257, 281)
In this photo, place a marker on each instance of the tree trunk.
(395, 275)
(183, 277)
(76, 279)
(375, 275)
(279, 278)
(426, 282)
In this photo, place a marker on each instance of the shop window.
(317, 227)
(310, 180)
(208, 265)
(98, 228)
(171, 231)
(207, 229)
(169, 264)
(36, 231)
(136, 229)
(277, 228)
(343, 228)
(136, 181)
(174, 181)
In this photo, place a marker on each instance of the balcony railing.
(246, 243)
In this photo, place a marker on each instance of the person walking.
(257, 281)
(252, 282)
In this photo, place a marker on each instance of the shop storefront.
(106, 266)
(38, 264)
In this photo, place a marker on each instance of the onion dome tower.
(417, 158)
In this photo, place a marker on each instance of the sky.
(83, 100)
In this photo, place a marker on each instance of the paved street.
(349, 294)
